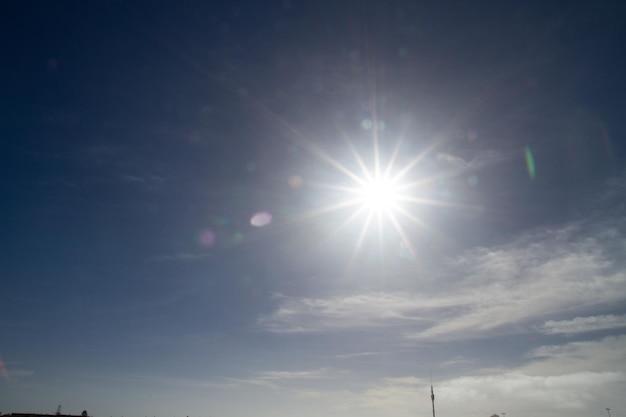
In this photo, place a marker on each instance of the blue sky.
(187, 227)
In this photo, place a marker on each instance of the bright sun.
(379, 194)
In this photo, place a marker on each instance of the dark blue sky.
(188, 225)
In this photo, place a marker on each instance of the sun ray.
(381, 198)
(376, 151)
(402, 234)
(380, 239)
(322, 210)
(350, 219)
(411, 165)
(432, 202)
(360, 240)
(359, 160)
(392, 160)
(373, 98)
(336, 187)
(434, 178)
(340, 167)
(411, 217)
(422, 225)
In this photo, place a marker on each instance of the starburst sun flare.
(379, 194)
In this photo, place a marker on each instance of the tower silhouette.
(432, 398)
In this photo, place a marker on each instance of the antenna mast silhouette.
(432, 393)
(432, 398)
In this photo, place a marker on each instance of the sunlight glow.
(383, 194)
(379, 194)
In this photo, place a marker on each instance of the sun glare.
(385, 194)
(379, 194)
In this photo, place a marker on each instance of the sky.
(285, 207)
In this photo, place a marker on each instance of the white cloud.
(273, 380)
(571, 378)
(474, 395)
(451, 162)
(348, 312)
(287, 379)
(456, 361)
(538, 275)
(187, 383)
(290, 375)
(608, 354)
(573, 390)
(180, 257)
(506, 288)
(20, 373)
(357, 355)
(584, 324)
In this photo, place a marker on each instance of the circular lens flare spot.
(207, 238)
(260, 219)
(366, 124)
(295, 181)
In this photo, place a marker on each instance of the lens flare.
(295, 181)
(379, 194)
(3, 370)
(260, 219)
(207, 238)
(530, 162)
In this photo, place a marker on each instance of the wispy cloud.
(183, 256)
(281, 379)
(555, 378)
(132, 178)
(538, 275)
(571, 377)
(10, 374)
(357, 355)
(149, 180)
(20, 373)
(507, 288)
(218, 383)
(568, 376)
(290, 375)
(100, 152)
(297, 315)
(456, 361)
(457, 164)
(451, 162)
(607, 354)
(565, 391)
(584, 324)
